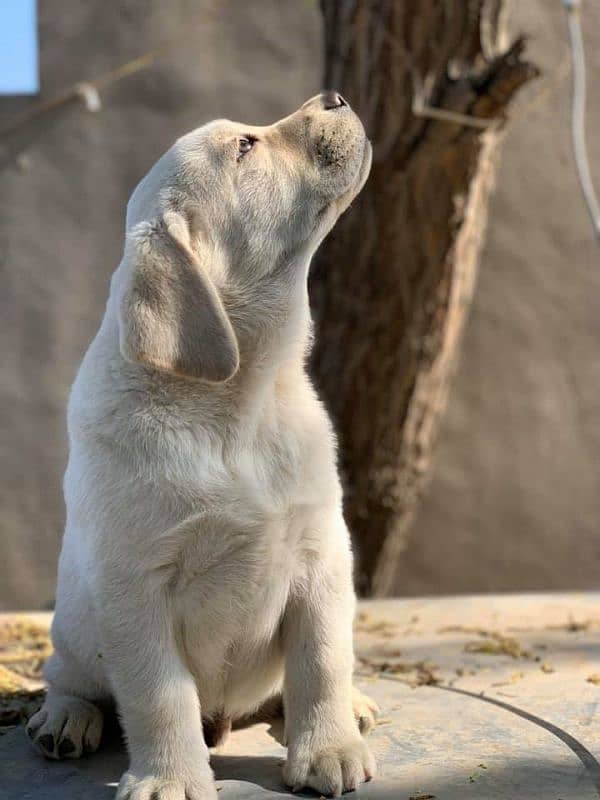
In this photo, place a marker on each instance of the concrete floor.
(482, 698)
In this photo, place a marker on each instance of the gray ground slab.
(497, 726)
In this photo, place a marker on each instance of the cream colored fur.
(206, 566)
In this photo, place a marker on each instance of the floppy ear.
(171, 317)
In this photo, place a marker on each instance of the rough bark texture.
(394, 281)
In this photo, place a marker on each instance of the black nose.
(332, 100)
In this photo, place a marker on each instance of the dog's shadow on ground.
(96, 776)
(262, 771)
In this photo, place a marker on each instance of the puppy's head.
(230, 205)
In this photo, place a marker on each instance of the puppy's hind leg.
(67, 725)
(366, 710)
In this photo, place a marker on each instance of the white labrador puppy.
(206, 566)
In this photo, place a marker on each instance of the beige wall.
(515, 498)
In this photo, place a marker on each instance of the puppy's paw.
(66, 727)
(135, 786)
(332, 770)
(365, 710)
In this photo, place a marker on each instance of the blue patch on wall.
(18, 47)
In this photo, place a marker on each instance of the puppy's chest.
(233, 590)
(265, 478)
(248, 549)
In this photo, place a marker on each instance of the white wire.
(578, 112)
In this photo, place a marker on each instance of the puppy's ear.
(171, 317)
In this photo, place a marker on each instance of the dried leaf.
(498, 645)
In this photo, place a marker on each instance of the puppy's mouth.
(360, 178)
(357, 178)
(365, 167)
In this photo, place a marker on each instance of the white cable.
(578, 112)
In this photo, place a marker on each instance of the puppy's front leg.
(325, 749)
(156, 696)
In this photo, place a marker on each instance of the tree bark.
(392, 285)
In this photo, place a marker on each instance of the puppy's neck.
(271, 319)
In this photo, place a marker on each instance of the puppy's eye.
(245, 144)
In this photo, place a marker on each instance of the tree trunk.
(392, 285)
